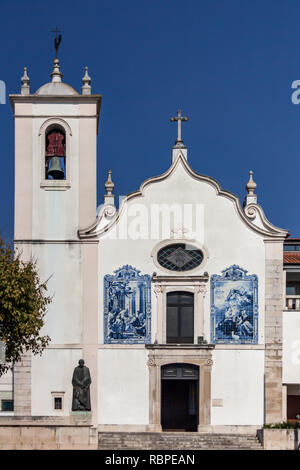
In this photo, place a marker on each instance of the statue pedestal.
(82, 417)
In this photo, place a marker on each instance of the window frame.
(60, 395)
(179, 339)
(175, 241)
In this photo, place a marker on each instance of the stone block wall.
(22, 386)
(20, 437)
(273, 332)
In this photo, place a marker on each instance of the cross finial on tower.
(179, 118)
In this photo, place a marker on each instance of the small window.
(291, 248)
(293, 288)
(179, 257)
(58, 403)
(7, 405)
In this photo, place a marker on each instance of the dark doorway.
(293, 406)
(179, 397)
(180, 317)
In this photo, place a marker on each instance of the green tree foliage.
(23, 305)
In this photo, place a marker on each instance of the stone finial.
(250, 198)
(109, 197)
(109, 185)
(25, 87)
(86, 83)
(56, 75)
(251, 185)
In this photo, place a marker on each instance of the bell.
(55, 169)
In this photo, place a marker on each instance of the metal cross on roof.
(57, 40)
(179, 118)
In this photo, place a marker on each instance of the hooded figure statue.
(81, 388)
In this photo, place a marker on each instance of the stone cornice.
(57, 99)
(179, 278)
(54, 98)
(180, 347)
(60, 242)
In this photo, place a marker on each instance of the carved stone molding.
(201, 289)
(163, 284)
(160, 355)
(151, 362)
(158, 289)
(251, 211)
(108, 210)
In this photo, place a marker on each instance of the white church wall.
(238, 384)
(123, 386)
(237, 374)
(223, 234)
(61, 265)
(52, 372)
(291, 347)
(55, 109)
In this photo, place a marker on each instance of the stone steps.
(177, 441)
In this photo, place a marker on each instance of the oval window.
(179, 257)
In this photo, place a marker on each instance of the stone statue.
(81, 388)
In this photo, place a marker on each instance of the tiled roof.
(291, 257)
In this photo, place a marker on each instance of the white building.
(174, 301)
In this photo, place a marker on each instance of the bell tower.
(55, 158)
(55, 196)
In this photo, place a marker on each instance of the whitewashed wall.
(52, 372)
(123, 387)
(291, 347)
(238, 380)
(61, 265)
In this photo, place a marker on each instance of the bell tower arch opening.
(55, 155)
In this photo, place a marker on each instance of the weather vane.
(57, 39)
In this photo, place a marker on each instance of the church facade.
(174, 300)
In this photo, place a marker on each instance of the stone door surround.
(160, 355)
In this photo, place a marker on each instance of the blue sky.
(228, 65)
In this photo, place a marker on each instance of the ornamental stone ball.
(81, 388)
